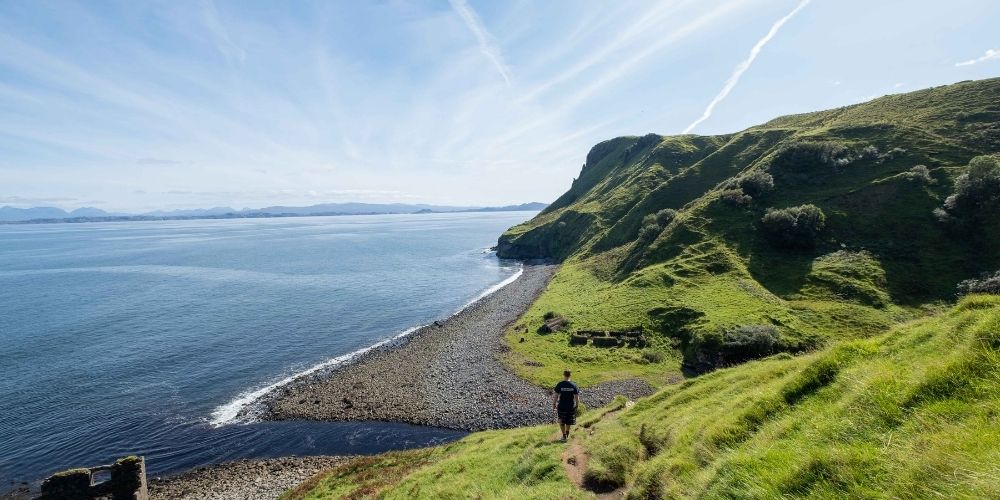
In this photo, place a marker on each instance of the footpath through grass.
(913, 413)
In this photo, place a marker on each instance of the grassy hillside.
(912, 413)
(796, 285)
(674, 234)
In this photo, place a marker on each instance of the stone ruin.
(127, 482)
(603, 338)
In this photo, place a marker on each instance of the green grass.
(912, 413)
(521, 463)
(729, 296)
(882, 390)
(882, 258)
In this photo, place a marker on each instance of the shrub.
(721, 347)
(549, 315)
(804, 155)
(987, 283)
(977, 192)
(756, 183)
(895, 153)
(747, 342)
(730, 183)
(794, 227)
(919, 173)
(653, 356)
(649, 232)
(735, 197)
(868, 152)
(665, 217)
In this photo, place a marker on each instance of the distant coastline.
(259, 214)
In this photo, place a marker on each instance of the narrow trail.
(575, 460)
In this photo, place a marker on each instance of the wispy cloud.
(29, 201)
(487, 45)
(223, 42)
(743, 66)
(157, 161)
(990, 54)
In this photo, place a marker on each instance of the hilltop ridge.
(677, 234)
(796, 283)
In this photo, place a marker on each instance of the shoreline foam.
(449, 374)
(238, 410)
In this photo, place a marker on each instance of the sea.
(150, 337)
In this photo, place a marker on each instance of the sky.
(132, 106)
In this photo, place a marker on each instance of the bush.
(726, 346)
(665, 217)
(977, 192)
(549, 315)
(868, 152)
(756, 183)
(919, 173)
(986, 283)
(649, 232)
(653, 356)
(800, 156)
(895, 153)
(794, 227)
(747, 342)
(735, 197)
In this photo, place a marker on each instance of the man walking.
(565, 399)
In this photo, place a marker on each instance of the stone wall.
(128, 482)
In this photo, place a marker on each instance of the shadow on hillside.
(782, 273)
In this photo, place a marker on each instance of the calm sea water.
(147, 337)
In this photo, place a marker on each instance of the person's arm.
(555, 399)
(576, 400)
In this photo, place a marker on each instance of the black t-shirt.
(566, 390)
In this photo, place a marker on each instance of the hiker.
(565, 399)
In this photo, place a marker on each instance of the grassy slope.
(711, 269)
(912, 413)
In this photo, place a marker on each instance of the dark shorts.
(567, 417)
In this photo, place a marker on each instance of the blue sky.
(143, 105)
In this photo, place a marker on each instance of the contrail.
(744, 66)
(486, 45)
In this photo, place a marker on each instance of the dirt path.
(575, 460)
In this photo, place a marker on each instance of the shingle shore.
(446, 374)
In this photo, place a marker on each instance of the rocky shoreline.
(447, 374)
(264, 479)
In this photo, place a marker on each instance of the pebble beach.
(448, 374)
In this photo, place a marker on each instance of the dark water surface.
(147, 337)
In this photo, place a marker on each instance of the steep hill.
(795, 283)
(673, 234)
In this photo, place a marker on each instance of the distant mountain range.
(86, 214)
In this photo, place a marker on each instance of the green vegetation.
(521, 463)
(912, 413)
(988, 283)
(820, 226)
(798, 274)
(977, 192)
(794, 227)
